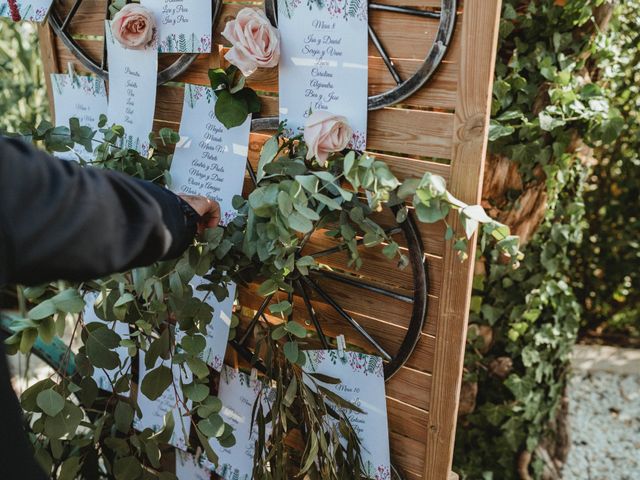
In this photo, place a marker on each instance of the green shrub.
(23, 98)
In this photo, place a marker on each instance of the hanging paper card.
(238, 394)
(184, 26)
(154, 411)
(132, 91)
(323, 62)
(107, 378)
(30, 10)
(84, 98)
(218, 330)
(188, 467)
(362, 384)
(210, 159)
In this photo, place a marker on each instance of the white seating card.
(210, 159)
(324, 63)
(362, 384)
(184, 26)
(188, 467)
(154, 411)
(84, 98)
(106, 378)
(132, 91)
(238, 394)
(30, 10)
(218, 330)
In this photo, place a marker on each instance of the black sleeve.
(61, 221)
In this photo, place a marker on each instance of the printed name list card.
(30, 10)
(323, 63)
(84, 98)
(184, 26)
(362, 384)
(189, 468)
(103, 377)
(239, 393)
(132, 90)
(218, 329)
(154, 411)
(210, 159)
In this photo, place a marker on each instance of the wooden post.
(480, 22)
(49, 56)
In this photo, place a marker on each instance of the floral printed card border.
(184, 26)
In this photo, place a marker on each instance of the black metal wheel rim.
(61, 27)
(303, 285)
(404, 87)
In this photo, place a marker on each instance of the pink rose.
(255, 42)
(325, 133)
(134, 26)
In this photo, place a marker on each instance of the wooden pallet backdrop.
(440, 129)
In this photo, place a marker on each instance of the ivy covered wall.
(556, 114)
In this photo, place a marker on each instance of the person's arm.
(61, 221)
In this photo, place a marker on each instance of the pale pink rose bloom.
(255, 42)
(325, 133)
(134, 26)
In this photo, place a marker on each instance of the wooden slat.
(479, 37)
(389, 330)
(410, 132)
(49, 56)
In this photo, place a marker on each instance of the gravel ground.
(604, 419)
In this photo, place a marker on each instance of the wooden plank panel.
(402, 35)
(407, 420)
(479, 37)
(408, 454)
(410, 132)
(388, 329)
(440, 92)
(409, 386)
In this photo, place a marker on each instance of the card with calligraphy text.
(132, 91)
(218, 330)
(210, 159)
(154, 411)
(30, 10)
(107, 378)
(189, 468)
(184, 26)
(239, 393)
(84, 98)
(362, 384)
(324, 63)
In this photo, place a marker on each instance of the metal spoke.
(252, 175)
(70, 15)
(385, 58)
(312, 314)
(327, 298)
(339, 248)
(255, 319)
(365, 286)
(408, 11)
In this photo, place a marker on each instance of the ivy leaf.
(44, 310)
(156, 382)
(50, 402)
(291, 351)
(231, 110)
(300, 223)
(196, 391)
(123, 417)
(268, 153)
(69, 301)
(296, 329)
(101, 341)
